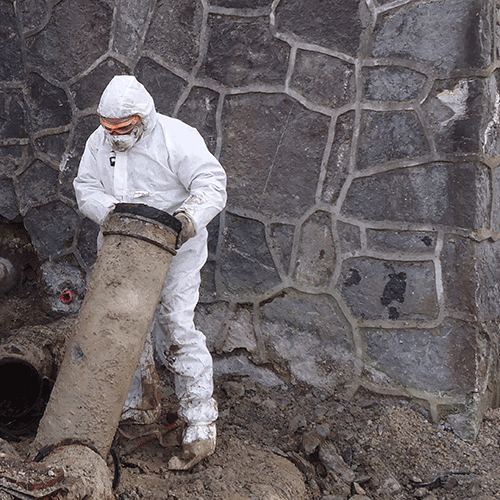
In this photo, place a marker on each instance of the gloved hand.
(109, 213)
(187, 230)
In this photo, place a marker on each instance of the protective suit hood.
(126, 96)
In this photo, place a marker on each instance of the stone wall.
(361, 140)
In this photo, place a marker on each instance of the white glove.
(187, 230)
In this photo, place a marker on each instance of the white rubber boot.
(198, 443)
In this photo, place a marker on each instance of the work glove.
(187, 230)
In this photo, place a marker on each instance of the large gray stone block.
(335, 24)
(88, 90)
(448, 194)
(310, 335)
(86, 244)
(11, 61)
(401, 241)
(443, 359)
(455, 111)
(246, 263)
(49, 105)
(69, 166)
(8, 201)
(81, 132)
(350, 236)
(31, 14)
(378, 289)
(36, 185)
(460, 280)
(238, 332)
(52, 229)
(323, 79)
(281, 240)
(339, 160)
(210, 319)
(13, 109)
(130, 27)
(241, 4)
(199, 110)
(486, 259)
(174, 32)
(390, 135)
(272, 150)
(52, 145)
(76, 35)
(164, 86)
(208, 288)
(242, 51)
(316, 256)
(446, 34)
(391, 83)
(13, 159)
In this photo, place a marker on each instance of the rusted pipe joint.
(143, 222)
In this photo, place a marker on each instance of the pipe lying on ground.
(111, 328)
(22, 392)
(29, 359)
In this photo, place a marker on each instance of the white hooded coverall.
(169, 168)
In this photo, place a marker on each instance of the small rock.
(420, 493)
(391, 486)
(475, 487)
(234, 389)
(297, 422)
(358, 490)
(216, 472)
(270, 405)
(320, 412)
(310, 442)
(451, 483)
(332, 461)
(322, 430)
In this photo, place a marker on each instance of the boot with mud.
(198, 443)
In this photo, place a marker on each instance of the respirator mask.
(123, 133)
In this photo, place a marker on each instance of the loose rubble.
(292, 443)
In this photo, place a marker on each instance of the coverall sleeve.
(202, 175)
(93, 200)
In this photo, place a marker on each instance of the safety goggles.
(120, 126)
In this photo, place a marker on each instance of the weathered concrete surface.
(110, 333)
(361, 141)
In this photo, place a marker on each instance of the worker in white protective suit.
(140, 156)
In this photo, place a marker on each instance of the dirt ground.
(294, 443)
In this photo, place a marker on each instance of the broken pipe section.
(111, 328)
(29, 360)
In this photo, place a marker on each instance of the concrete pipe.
(111, 328)
(29, 358)
(24, 364)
